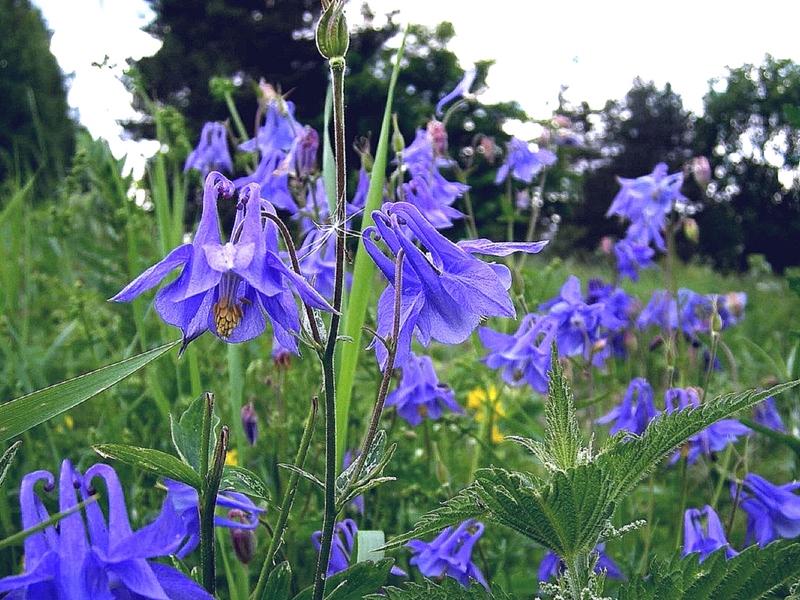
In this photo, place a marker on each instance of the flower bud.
(333, 38)
(244, 541)
(306, 158)
(398, 143)
(250, 423)
(691, 230)
(362, 146)
(701, 169)
(437, 134)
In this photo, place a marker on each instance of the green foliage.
(36, 133)
(356, 582)
(160, 463)
(447, 589)
(745, 119)
(753, 574)
(24, 413)
(279, 583)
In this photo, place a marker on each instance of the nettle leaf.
(187, 432)
(155, 461)
(632, 457)
(354, 583)
(243, 481)
(753, 574)
(464, 505)
(566, 514)
(447, 589)
(563, 434)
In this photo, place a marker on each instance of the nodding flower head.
(229, 287)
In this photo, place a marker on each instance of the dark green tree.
(36, 132)
(648, 127)
(751, 135)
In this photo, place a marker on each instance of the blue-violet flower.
(450, 554)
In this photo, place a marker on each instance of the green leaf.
(792, 114)
(368, 545)
(563, 434)
(631, 458)
(363, 272)
(19, 415)
(464, 505)
(752, 574)
(279, 583)
(356, 582)
(5, 460)
(303, 473)
(187, 432)
(566, 515)
(155, 461)
(243, 481)
(447, 589)
(377, 458)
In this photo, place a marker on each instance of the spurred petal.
(153, 276)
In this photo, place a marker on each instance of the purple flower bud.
(250, 423)
(244, 541)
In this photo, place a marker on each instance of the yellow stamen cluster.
(227, 316)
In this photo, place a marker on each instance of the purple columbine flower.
(706, 540)
(552, 566)
(522, 357)
(460, 91)
(636, 410)
(438, 213)
(646, 201)
(773, 511)
(212, 152)
(713, 438)
(228, 287)
(450, 554)
(523, 162)
(183, 500)
(631, 257)
(279, 130)
(302, 157)
(582, 327)
(766, 413)
(344, 537)
(62, 561)
(420, 395)
(445, 289)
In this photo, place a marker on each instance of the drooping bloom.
(713, 438)
(631, 257)
(227, 288)
(646, 201)
(420, 395)
(552, 566)
(523, 162)
(704, 540)
(524, 356)
(766, 413)
(344, 537)
(450, 554)
(212, 152)
(184, 501)
(111, 561)
(636, 410)
(460, 91)
(250, 423)
(445, 290)
(582, 327)
(773, 511)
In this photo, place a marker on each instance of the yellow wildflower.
(232, 458)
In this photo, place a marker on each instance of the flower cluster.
(553, 566)
(773, 511)
(212, 152)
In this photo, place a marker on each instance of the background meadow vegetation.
(75, 229)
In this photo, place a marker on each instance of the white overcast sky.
(596, 47)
